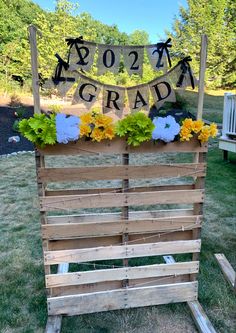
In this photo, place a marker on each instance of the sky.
(153, 16)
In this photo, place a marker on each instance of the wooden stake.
(34, 67)
(203, 57)
(125, 213)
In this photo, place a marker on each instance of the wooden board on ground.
(227, 269)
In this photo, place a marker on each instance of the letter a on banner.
(162, 92)
(108, 58)
(138, 98)
(133, 59)
(86, 92)
(113, 99)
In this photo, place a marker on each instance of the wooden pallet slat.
(121, 199)
(121, 172)
(140, 272)
(119, 189)
(119, 146)
(122, 299)
(113, 217)
(110, 228)
(121, 252)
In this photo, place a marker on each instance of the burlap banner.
(87, 92)
(184, 75)
(63, 79)
(162, 91)
(159, 55)
(133, 59)
(113, 99)
(81, 54)
(138, 98)
(108, 58)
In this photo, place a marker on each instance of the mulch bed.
(7, 119)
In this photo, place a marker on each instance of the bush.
(136, 127)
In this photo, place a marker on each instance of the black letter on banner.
(135, 53)
(110, 100)
(158, 92)
(158, 65)
(105, 58)
(139, 99)
(81, 90)
(81, 56)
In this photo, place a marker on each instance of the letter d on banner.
(162, 92)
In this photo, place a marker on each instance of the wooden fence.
(115, 257)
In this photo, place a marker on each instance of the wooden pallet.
(85, 238)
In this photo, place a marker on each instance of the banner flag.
(133, 59)
(156, 61)
(81, 54)
(159, 55)
(63, 79)
(113, 99)
(87, 92)
(162, 91)
(138, 98)
(184, 76)
(108, 58)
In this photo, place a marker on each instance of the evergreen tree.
(216, 18)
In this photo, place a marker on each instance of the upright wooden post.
(34, 67)
(203, 57)
(125, 213)
(200, 157)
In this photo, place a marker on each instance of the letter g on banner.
(86, 92)
(108, 58)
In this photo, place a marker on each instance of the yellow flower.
(103, 121)
(213, 130)
(188, 123)
(197, 125)
(205, 134)
(85, 130)
(86, 118)
(109, 133)
(185, 134)
(97, 134)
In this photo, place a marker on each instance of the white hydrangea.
(166, 128)
(67, 128)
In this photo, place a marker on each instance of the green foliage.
(20, 112)
(15, 125)
(136, 127)
(216, 18)
(40, 129)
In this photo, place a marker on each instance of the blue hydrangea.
(166, 128)
(67, 128)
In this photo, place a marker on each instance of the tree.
(216, 18)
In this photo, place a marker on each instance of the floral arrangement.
(166, 128)
(190, 127)
(39, 129)
(42, 129)
(96, 126)
(136, 127)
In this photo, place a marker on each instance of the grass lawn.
(213, 104)
(23, 298)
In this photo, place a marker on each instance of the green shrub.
(39, 129)
(136, 127)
